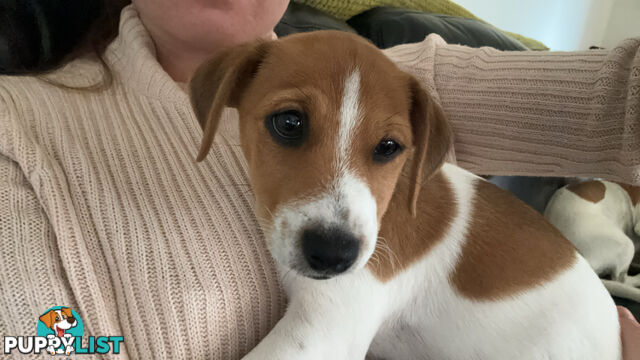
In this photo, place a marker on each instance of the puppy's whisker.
(383, 247)
(265, 224)
(269, 211)
(286, 275)
(375, 260)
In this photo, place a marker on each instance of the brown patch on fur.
(432, 140)
(592, 191)
(220, 82)
(509, 248)
(633, 191)
(409, 238)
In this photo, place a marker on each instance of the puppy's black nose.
(329, 250)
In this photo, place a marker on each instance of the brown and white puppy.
(602, 220)
(381, 247)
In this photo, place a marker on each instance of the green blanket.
(345, 9)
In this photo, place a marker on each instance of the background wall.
(624, 22)
(563, 24)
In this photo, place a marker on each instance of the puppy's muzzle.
(329, 250)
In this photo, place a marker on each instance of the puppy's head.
(59, 320)
(327, 124)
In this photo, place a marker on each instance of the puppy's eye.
(287, 127)
(386, 150)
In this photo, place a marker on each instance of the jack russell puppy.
(602, 220)
(382, 249)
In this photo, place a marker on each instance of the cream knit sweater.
(103, 208)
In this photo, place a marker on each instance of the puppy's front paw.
(633, 281)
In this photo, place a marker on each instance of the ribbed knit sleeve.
(33, 279)
(536, 113)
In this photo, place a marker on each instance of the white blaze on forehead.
(350, 194)
(349, 118)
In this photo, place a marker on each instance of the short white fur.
(349, 118)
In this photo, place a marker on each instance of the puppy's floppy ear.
(219, 82)
(48, 318)
(432, 139)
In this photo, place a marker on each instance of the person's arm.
(630, 331)
(536, 113)
(31, 274)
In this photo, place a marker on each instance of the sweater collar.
(132, 58)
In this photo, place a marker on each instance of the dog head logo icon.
(61, 323)
(59, 320)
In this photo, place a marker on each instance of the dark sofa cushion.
(535, 191)
(303, 18)
(388, 27)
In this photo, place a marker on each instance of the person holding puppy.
(105, 210)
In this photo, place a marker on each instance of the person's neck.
(181, 63)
